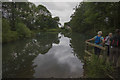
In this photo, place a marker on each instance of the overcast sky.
(61, 9)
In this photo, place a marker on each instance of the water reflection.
(47, 55)
(77, 43)
(59, 61)
(18, 56)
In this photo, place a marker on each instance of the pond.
(48, 55)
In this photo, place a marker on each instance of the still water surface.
(44, 56)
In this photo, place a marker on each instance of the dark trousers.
(114, 55)
(97, 51)
(108, 50)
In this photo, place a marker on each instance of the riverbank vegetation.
(24, 19)
(97, 68)
(89, 17)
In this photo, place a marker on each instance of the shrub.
(7, 34)
(22, 30)
(97, 67)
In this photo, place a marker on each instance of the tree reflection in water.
(44, 56)
(17, 58)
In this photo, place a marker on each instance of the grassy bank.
(97, 68)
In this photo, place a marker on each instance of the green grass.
(52, 30)
(97, 68)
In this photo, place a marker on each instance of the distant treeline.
(89, 17)
(22, 19)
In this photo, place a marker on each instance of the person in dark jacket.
(115, 48)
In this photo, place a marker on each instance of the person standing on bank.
(107, 43)
(99, 40)
(115, 48)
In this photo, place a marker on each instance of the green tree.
(7, 34)
(23, 17)
(22, 30)
(89, 17)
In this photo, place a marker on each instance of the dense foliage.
(98, 68)
(22, 30)
(89, 17)
(20, 19)
(7, 34)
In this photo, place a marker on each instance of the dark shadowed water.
(44, 56)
